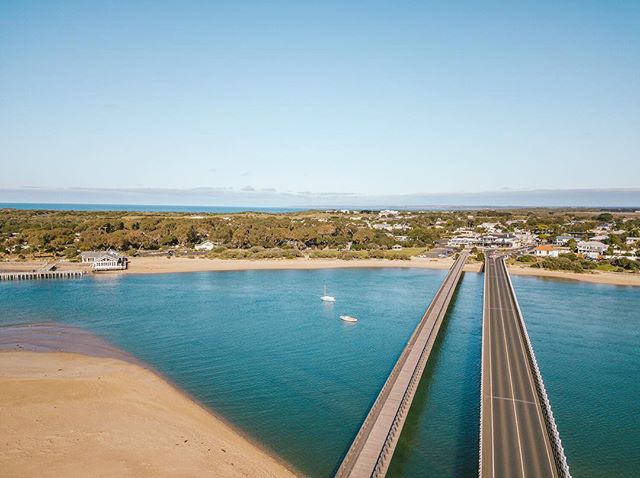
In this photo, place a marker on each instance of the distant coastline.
(145, 208)
(179, 208)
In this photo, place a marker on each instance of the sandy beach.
(160, 265)
(164, 265)
(596, 277)
(70, 414)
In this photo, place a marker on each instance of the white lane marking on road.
(554, 472)
(514, 400)
(515, 410)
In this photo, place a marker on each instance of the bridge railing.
(482, 372)
(400, 416)
(554, 437)
(365, 428)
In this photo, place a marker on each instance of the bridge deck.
(371, 451)
(517, 439)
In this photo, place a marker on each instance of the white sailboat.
(326, 297)
(348, 318)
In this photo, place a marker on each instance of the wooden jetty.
(42, 274)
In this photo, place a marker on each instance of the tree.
(192, 236)
(363, 236)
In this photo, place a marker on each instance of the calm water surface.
(143, 207)
(587, 341)
(262, 350)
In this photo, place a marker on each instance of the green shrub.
(625, 264)
(562, 264)
(526, 258)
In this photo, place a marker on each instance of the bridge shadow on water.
(435, 425)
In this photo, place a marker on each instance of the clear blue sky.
(359, 97)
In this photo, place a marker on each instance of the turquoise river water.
(261, 350)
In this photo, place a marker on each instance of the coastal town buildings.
(461, 241)
(591, 249)
(104, 260)
(545, 250)
(549, 250)
(495, 240)
(563, 239)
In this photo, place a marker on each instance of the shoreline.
(595, 277)
(32, 348)
(162, 265)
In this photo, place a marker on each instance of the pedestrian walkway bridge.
(371, 451)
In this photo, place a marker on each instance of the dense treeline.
(68, 232)
(29, 233)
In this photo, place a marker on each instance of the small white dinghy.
(327, 298)
(348, 318)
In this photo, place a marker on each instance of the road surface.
(514, 439)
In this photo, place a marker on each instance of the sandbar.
(73, 414)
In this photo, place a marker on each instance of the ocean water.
(441, 434)
(258, 347)
(587, 341)
(263, 351)
(144, 208)
(231, 209)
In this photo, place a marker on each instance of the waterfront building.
(104, 260)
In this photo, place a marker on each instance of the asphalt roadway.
(515, 441)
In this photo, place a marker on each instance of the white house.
(388, 212)
(205, 246)
(383, 226)
(632, 240)
(545, 250)
(562, 240)
(490, 226)
(104, 260)
(591, 249)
